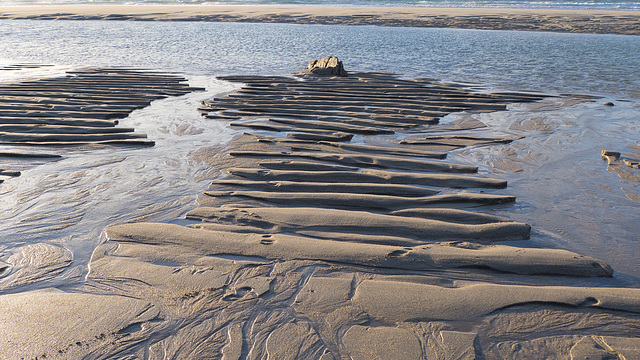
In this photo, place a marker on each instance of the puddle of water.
(570, 196)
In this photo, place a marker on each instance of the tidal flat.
(165, 206)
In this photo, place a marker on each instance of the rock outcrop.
(328, 66)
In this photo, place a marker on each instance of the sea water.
(570, 196)
(603, 65)
(544, 4)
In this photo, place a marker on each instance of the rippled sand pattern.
(337, 230)
(80, 109)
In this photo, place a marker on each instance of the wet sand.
(417, 270)
(580, 21)
(79, 110)
(336, 226)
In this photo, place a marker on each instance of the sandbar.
(625, 22)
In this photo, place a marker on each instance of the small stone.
(608, 103)
(632, 164)
(610, 155)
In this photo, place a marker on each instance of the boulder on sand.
(328, 66)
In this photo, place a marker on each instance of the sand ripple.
(313, 249)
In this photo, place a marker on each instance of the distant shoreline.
(624, 22)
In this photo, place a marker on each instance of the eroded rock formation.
(329, 65)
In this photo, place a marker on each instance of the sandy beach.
(307, 245)
(579, 21)
(349, 215)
